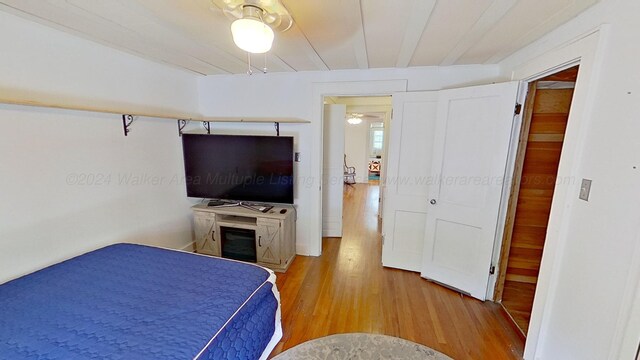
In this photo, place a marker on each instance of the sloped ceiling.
(326, 35)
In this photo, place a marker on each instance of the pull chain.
(249, 72)
(264, 69)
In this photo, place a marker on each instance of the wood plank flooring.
(518, 302)
(347, 290)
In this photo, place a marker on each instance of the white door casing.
(411, 133)
(470, 153)
(333, 172)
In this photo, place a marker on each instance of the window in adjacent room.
(376, 134)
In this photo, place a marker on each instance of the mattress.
(130, 301)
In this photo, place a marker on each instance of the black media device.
(283, 211)
(239, 167)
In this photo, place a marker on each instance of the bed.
(128, 301)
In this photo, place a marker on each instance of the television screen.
(239, 167)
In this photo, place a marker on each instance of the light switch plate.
(585, 189)
(297, 157)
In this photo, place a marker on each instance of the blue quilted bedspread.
(136, 302)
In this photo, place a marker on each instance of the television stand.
(246, 233)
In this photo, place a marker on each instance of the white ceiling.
(326, 35)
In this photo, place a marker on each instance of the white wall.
(46, 212)
(356, 141)
(589, 274)
(292, 95)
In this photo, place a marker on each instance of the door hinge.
(492, 269)
(518, 109)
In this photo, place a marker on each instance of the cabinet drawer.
(204, 214)
(268, 222)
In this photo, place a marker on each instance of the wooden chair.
(349, 173)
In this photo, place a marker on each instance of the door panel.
(461, 241)
(333, 172)
(406, 244)
(470, 152)
(205, 233)
(410, 134)
(268, 242)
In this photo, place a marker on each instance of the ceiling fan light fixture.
(354, 120)
(250, 33)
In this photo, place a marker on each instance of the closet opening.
(546, 112)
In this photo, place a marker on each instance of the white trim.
(506, 191)
(188, 247)
(320, 90)
(626, 340)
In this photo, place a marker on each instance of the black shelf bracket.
(277, 126)
(127, 120)
(207, 126)
(181, 125)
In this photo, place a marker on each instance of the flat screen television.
(239, 167)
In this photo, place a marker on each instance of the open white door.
(470, 154)
(332, 169)
(411, 134)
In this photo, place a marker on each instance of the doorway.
(354, 142)
(542, 134)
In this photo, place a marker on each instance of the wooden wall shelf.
(146, 112)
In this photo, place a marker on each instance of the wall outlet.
(585, 189)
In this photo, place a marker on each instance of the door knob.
(432, 201)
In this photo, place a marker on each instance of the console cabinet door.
(268, 241)
(205, 231)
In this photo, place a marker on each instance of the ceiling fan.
(356, 118)
(254, 22)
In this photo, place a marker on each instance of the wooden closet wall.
(544, 128)
(544, 145)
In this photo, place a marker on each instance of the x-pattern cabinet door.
(205, 232)
(268, 241)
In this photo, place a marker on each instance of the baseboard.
(512, 322)
(303, 249)
(188, 247)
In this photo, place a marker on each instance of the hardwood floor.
(518, 302)
(347, 290)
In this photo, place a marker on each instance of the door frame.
(515, 175)
(511, 190)
(587, 51)
(337, 88)
(519, 148)
(333, 231)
